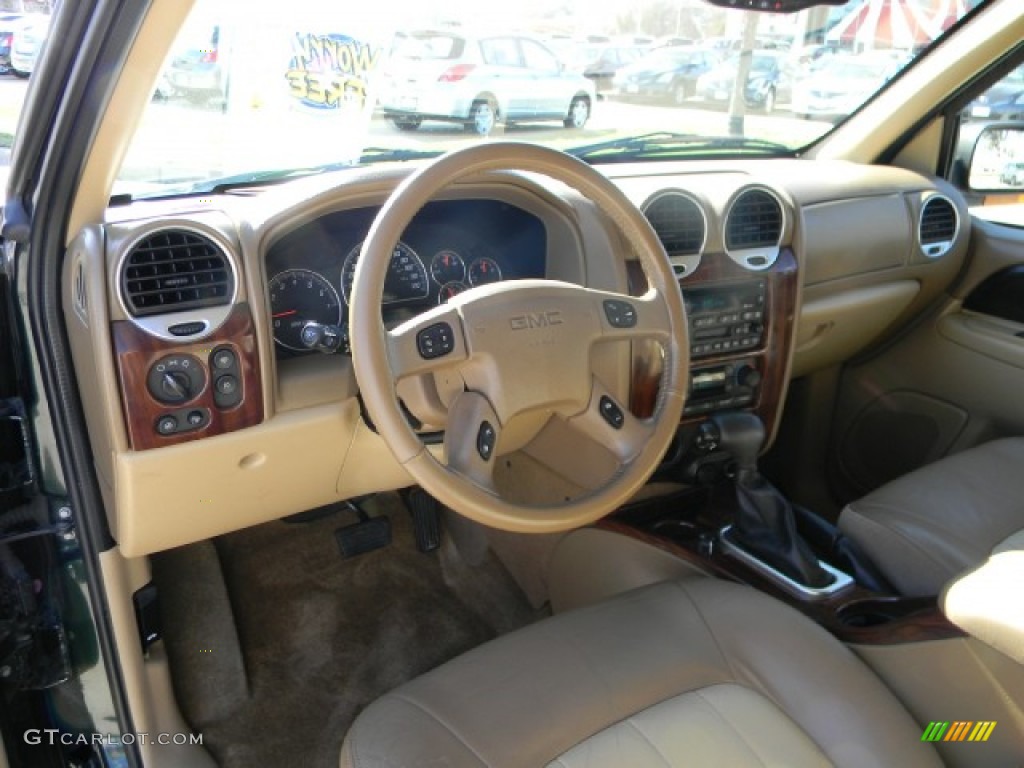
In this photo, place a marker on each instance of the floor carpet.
(274, 660)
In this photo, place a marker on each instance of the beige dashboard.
(850, 254)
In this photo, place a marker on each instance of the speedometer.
(406, 279)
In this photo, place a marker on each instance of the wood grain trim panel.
(770, 360)
(136, 352)
(906, 620)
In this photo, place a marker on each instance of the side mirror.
(990, 158)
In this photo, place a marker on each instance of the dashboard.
(186, 317)
(449, 247)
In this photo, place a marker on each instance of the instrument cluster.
(450, 246)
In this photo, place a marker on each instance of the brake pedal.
(426, 519)
(365, 535)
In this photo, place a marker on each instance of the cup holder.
(676, 529)
(876, 612)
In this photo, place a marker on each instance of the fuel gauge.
(448, 267)
(483, 271)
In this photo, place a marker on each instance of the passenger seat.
(926, 527)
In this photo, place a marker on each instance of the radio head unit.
(726, 319)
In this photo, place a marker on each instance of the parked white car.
(843, 82)
(479, 81)
(27, 43)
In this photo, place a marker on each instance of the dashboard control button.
(436, 340)
(485, 438)
(620, 314)
(227, 385)
(196, 418)
(176, 379)
(611, 412)
(223, 359)
(167, 425)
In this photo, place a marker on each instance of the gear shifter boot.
(765, 526)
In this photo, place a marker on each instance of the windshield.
(256, 90)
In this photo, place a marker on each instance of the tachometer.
(406, 279)
(297, 297)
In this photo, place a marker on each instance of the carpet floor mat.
(276, 643)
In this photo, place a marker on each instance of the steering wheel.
(522, 347)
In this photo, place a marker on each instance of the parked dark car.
(603, 61)
(769, 82)
(667, 74)
(1002, 101)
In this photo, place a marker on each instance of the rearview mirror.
(997, 162)
(774, 6)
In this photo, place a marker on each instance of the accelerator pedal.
(426, 518)
(366, 535)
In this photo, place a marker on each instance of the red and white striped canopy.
(905, 24)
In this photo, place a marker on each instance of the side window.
(537, 57)
(500, 52)
(996, 176)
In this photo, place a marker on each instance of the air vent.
(754, 221)
(938, 226)
(753, 229)
(679, 222)
(174, 270)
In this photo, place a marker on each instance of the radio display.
(708, 380)
(706, 301)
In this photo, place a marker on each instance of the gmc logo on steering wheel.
(535, 320)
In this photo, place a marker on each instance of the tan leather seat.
(931, 524)
(695, 672)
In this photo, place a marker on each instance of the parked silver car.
(479, 81)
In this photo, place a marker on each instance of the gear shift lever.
(765, 524)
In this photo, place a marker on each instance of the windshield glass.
(255, 90)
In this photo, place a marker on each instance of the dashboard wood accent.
(769, 360)
(138, 352)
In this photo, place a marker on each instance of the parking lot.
(179, 140)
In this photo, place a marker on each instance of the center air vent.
(753, 228)
(175, 270)
(938, 226)
(681, 226)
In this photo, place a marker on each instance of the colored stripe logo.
(958, 730)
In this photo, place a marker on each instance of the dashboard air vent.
(753, 221)
(938, 226)
(173, 270)
(679, 223)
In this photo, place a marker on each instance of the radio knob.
(748, 376)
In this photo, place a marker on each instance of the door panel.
(953, 381)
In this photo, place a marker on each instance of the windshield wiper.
(391, 155)
(665, 145)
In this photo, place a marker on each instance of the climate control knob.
(748, 376)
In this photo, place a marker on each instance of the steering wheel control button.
(611, 412)
(167, 425)
(435, 340)
(620, 314)
(175, 379)
(485, 438)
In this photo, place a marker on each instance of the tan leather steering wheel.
(522, 347)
